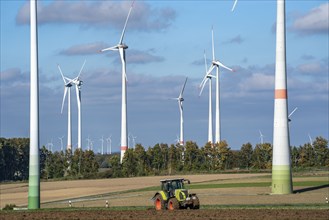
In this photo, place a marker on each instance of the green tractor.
(173, 195)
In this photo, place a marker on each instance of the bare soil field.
(206, 214)
(88, 199)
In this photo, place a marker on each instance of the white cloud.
(84, 49)
(10, 74)
(314, 22)
(257, 82)
(100, 14)
(142, 57)
(312, 68)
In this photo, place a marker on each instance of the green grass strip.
(235, 185)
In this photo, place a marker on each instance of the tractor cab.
(170, 185)
(174, 195)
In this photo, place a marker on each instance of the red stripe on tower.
(124, 148)
(280, 94)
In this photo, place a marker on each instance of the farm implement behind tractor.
(173, 195)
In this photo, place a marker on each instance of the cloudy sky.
(166, 41)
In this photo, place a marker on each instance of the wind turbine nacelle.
(124, 46)
(181, 99)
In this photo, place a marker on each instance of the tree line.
(161, 159)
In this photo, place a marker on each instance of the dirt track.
(180, 214)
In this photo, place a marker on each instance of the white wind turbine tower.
(91, 145)
(78, 82)
(34, 162)
(206, 78)
(88, 142)
(216, 64)
(121, 47)
(180, 100)
(281, 162)
(102, 140)
(51, 145)
(67, 89)
(109, 142)
(61, 140)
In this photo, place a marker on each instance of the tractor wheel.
(196, 203)
(159, 203)
(173, 204)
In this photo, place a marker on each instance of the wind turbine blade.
(65, 91)
(311, 141)
(236, 1)
(60, 70)
(181, 93)
(202, 85)
(209, 71)
(222, 65)
(109, 48)
(213, 46)
(69, 80)
(124, 28)
(292, 112)
(81, 69)
(204, 79)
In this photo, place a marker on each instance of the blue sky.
(166, 41)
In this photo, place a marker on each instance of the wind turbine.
(261, 136)
(216, 64)
(109, 141)
(61, 140)
(91, 145)
(68, 83)
(180, 100)
(121, 47)
(34, 164)
(311, 141)
(78, 82)
(177, 139)
(102, 140)
(133, 140)
(88, 143)
(206, 78)
(67, 90)
(51, 145)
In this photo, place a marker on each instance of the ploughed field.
(222, 196)
(202, 214)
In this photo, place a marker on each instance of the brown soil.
(178, 214)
